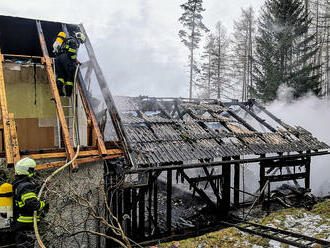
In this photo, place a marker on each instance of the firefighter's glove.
(46, 208)
(44, 211)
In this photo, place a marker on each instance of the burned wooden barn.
(148, 150)
(172, 136)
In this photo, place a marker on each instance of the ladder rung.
(68, 106)
(69, 116)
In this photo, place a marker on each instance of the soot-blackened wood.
(226, 172)
(112, 195)
(268, 200)
(127, 211)
(262, 177)
(308, 171)
(286, 177)
(263, 122)
(134, 212)
(150, 188)
(169, 201)
(156, 206)
(221, 163)
(141, 212)
(236, 181)
(201, 193)
(120, 206)
(213, 185)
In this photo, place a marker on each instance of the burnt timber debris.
(283, 236)
(170, 137)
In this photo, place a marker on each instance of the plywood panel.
(27, 99)
(31, 136)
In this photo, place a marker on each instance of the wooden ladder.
(59, 109)
(8, 124)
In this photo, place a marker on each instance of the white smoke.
(313, 114)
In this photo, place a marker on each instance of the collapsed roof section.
(165, 131)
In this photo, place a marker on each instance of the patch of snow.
(274, 244)
(309, 225)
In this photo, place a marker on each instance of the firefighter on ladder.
(65, 49)
(25, 203)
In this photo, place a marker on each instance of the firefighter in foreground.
(25, 203)
(65, 49)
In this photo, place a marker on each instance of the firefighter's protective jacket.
(70, 47)
(25, 199)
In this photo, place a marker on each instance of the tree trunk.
(191, 71)
(209, 78)
(192, 54)
(219, 67)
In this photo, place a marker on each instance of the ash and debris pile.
(292, 197)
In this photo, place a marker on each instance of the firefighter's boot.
(59, 83)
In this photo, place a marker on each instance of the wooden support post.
(226, 172)
(150, 218)
(169, 201)
(236, 181)
(89, 132)
(57, 99)
(120, 206)
(9, 128)
(308, 171)
(127, 211)
(156, 206)
(134, 213)
(114, 196)
(141, 212)
(262, 177)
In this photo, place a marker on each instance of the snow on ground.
(314, 223)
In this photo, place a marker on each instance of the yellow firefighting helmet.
(61, 35)
(25, 166)
(80, 37)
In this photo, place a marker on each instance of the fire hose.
(35, 223)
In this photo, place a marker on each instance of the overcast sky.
(135, 41)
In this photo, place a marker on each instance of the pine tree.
(319, 11)
(215, 70)
(285, 51)
(243, 44)
(191, 33)
(207, 70)
(220, 60)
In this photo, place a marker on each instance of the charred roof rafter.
(187, 139)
